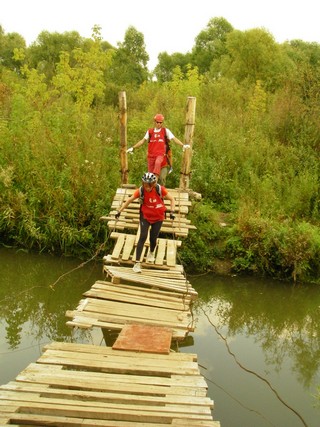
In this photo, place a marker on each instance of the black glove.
(117, 215)
(172, 215)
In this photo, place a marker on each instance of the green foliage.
(168, 63)
(129, 65)
(45, 52)
(210, 44)
(255, 151)
(8, 43)
(286, 250)
(205, 244)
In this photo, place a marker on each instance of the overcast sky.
(167, 25)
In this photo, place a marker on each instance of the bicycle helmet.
(149, 178)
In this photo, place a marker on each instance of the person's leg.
(151, 163)
(163, 175)
(157, 165)
(144, 228)
(154, 233)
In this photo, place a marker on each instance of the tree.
(44, 53)
(252, 55)
(9, 42)
(210, 43)
(129, 64)
(81, 73)
(167, 63)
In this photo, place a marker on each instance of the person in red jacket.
(157, 138)
(152, 214)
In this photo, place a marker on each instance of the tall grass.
(60, 167)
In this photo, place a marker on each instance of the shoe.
(150, 257)
(137, 267)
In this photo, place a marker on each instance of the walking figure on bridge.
(157, 138)
(152, 214)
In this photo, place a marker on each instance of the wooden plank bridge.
(139, 380)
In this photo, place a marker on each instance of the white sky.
(167, 25)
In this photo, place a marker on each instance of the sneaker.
(150, 257)
(137, 267)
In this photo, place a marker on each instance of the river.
(257, 340)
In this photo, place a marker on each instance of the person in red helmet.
(157, 138)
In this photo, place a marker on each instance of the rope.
(253, 372)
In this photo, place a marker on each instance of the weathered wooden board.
(80, 384)
(125, 249)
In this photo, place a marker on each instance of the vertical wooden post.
(123, 137)
(188, 139)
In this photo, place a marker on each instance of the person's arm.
(139, 143)
(125, 204)
(171, 137)
(172, 200)
(177, 141)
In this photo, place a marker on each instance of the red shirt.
(153, 207)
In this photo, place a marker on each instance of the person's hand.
(186, 146)
(117, 215)
(130, 150)
(172, 215)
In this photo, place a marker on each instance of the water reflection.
(32, 306)
(265, 329)
(29, 294)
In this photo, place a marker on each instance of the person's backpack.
(141, 190)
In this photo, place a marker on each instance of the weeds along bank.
(255, 162)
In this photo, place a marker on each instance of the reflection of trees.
(284, 320)
(26, 295)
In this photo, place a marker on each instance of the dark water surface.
(257, 341)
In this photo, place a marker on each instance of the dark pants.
(154, 233)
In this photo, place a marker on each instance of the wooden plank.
(138, 290)
(50, 420)
(114, 383)
(143, 338)
(159, 268)
(120, 363)
(116, 234)
(171, 252)
(128, 246)
(106, 351)
(149, 277)
(118, 246)
(177, 230)
(131, 312)
(108, 411)
(160, 251)
(139, 299)
(48, 391)
(87, 320)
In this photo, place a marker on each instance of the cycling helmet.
(159, 118)
(149, 178)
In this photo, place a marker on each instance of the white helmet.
(149, 177)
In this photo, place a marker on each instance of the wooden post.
(123, 137)
(188, 139)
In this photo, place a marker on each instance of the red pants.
(154, 164)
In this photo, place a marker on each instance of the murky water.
(257, 341)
